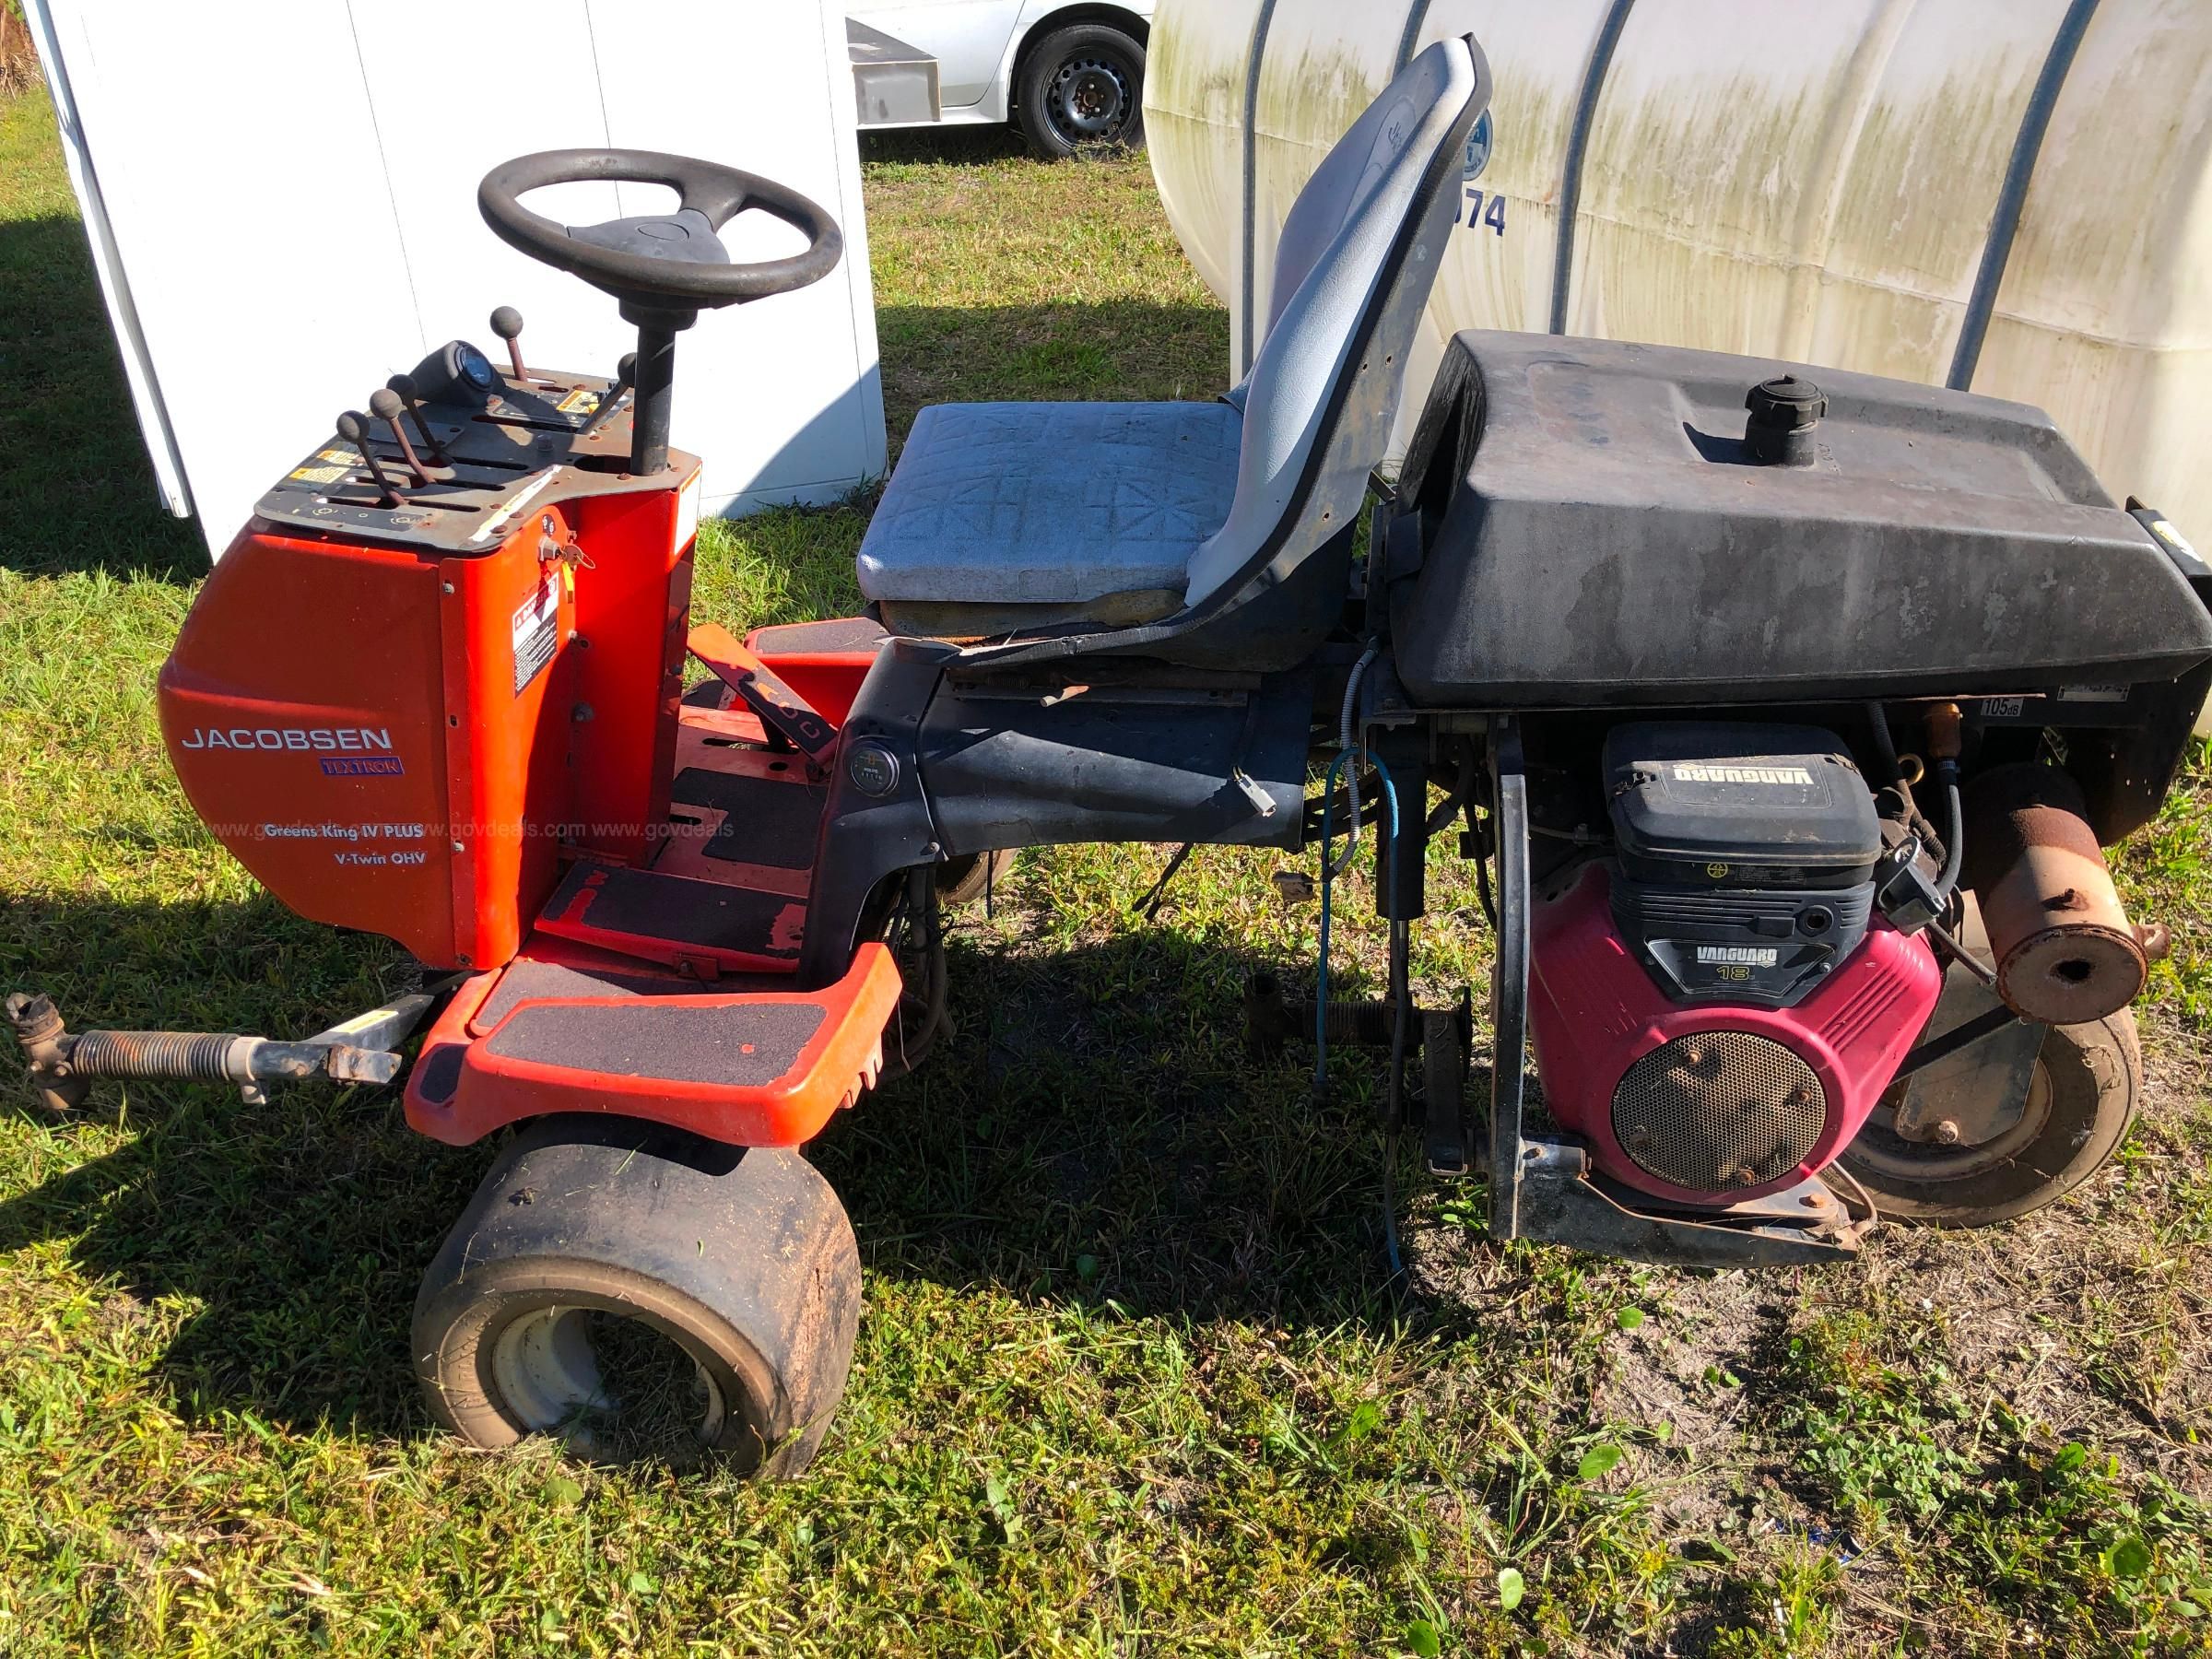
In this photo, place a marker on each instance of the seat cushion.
(1050, 503)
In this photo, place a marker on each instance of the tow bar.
(65, 1064)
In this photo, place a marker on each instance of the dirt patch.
(18, 59)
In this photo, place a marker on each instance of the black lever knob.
(404, 385)
(625, 369)
(383, 403)
(507, 322)
(353, 426)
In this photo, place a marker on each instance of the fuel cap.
(1784, 411)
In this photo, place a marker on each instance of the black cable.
(1482, 889)
(1877, 720)
(1149, 904)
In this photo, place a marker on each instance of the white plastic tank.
(1819, 182)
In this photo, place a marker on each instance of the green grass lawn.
(1130, 1379)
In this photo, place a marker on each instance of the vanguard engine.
(1718, 1007)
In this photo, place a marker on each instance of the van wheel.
(647, 1297)
(2081, 1100)
(1081, 88)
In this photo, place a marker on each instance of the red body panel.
(1593, 1012)
(461, 1091)
(401, 740)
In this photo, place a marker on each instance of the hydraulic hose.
(1954, 840)
(1944, 722)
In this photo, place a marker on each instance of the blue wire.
(1321, 977)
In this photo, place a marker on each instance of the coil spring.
(186, 1056)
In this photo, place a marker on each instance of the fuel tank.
(1601, 522)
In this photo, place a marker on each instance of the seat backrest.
(1359, 255)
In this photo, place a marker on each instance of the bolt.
(456, 845)
(1946, 1132)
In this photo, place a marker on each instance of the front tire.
(645, 1295)
(1081, 88)
(2082, 1100)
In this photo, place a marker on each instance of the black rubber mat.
(839, 633)
(742, 1045)
(526, 981)
(771, 824)
(674, 910)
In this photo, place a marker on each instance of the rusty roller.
(2064, 950)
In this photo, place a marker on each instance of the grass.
(1130, 1379)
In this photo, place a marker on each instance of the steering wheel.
(672, 262)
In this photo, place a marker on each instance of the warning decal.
(338, 462)
(537, 631)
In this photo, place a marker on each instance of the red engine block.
(1594, 1013)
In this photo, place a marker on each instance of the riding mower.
(1783, 713)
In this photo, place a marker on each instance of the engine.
(1717, 1006)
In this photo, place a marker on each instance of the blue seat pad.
(1053, 503)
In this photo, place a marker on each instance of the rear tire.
(646, 1295)
(2088, 1079)
(1081, 88)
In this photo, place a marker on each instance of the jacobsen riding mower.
(1784, 722)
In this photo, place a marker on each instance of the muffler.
(2064, 951)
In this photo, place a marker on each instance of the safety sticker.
(537, 631)
(337, 463)
(583, 401)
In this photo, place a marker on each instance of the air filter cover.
(1718, 1110)
(1699, 804)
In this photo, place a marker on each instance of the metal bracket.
(1562, 1204)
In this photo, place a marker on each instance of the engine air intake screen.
(1715, 1110)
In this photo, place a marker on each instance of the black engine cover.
(1745, 856)
(1595, 531)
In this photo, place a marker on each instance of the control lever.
(507, 322)
(383, 403)
(353, 426)
(404, 385)
(625, 378)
